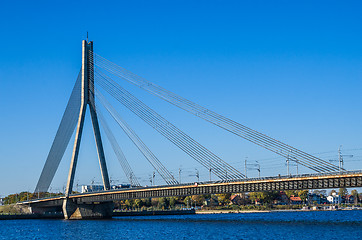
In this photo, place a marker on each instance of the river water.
(274, 225)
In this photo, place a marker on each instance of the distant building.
(334, 199)
(349, 199)
(211, 202)
(1, 201)
(239, 199)
(295, 200)
(316, 198)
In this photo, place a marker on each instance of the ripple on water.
(274, 225)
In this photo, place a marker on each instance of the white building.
(334, 199)
(1, 201)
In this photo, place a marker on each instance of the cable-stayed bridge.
(98, 76)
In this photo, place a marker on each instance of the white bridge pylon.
(87, 98)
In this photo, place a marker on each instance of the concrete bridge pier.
(97, 210)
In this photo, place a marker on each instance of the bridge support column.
(75, 211)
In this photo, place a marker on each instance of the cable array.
(194, 149)
(152, 159)
(118, 151)
(62, 138)
(225, 123)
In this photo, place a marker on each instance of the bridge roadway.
(299, 182)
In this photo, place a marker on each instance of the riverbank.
(267, 211)
(153, 213)
(230, 211)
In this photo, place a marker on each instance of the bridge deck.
(311, 181)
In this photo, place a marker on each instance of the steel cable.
(157, 165)
(62, 138)
(229, 125)
(117, 150)
(135, 102)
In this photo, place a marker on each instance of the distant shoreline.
(268, 211)
(229, 211)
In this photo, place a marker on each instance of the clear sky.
(290, 70)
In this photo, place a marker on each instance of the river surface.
(275, 225)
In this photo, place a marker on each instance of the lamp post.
(197, 175)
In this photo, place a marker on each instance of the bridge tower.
(87, 98)
(70, 208)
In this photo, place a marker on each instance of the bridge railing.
(295, 176)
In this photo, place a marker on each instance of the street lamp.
(197, 175)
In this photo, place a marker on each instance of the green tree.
(354, 193)
(263, 197)
(342, 192)
(303, 194)
(320, 193)
(138, 203)
(147, 202)
(129, 203)
(154, 202)
(172, 201)
(199, 199)
(271, 196)
(257, 196)
(162, 203)
(207, 196)
(187, 201)
(253, 196)
(290, 193)
(223, 198)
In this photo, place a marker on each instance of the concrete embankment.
(229, 211)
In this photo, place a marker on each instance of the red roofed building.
(349, 199)
(239, 199)
(295, 200)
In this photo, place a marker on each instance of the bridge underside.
(100, 210)
(98, 205)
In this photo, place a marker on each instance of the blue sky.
(290, 70)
